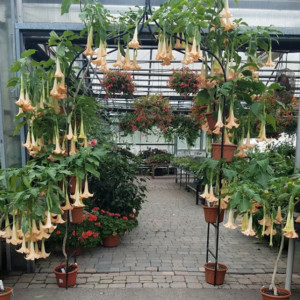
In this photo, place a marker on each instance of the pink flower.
(93, 142)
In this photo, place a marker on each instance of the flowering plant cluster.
(159, 159)
(150, 111)
(115, 223)
(184, 82)
(87, 235)
(117, 82)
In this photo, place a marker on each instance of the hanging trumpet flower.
(230, 223)
(248, 144)
(89, 51)
(262, 133)
(76, 196)
(100, 54)
(82, 133)
(57, 149)
(269, 62)
(134, 43)
(187, 58)
(21, 99)
(86, 194)
(58, 72)
(219, 123)
(178, 43)
(119, 62)
(205, 194)
(249, 231)
(127, 62)
(135, 65)
(231, 120)
(289, 229)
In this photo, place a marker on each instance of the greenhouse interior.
(150, 149)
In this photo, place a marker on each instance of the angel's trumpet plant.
(231, 120)
(278, 219)
(23, 248)
(31, 255)
(89, 51)
(28, 140)
(163, 53)
(219, 123)
(205, 194)
(202, 77)
(67, 205)
(43, 253)
(100, 54)
(134, 43)
(14, 240)
(226, 12)
(76, 196)
(70, 132)
(194, 52)
(187, 58)
(211, 197)
(245, 222)
(262, 134)
(249, 231)
(62, 89)
(135, 65)
(226, 138)
(127, 62)
(58, 72)
(34, 230)
(73, 149)
(289, 229)
(57, 149)
(178, 43)
(43, 233)
(159, 49)
(269, 62)
(248, 144)
(54, 92)
(21, 99)
(230, 223)
(104, 68)
(82, 133)
(86, 194)
(119, 62)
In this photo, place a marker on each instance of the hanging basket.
(211, 121)
(282, 294)
(61, 278)
(6, 295)
(228, 151)
(210, 273)
(211, 214)
(111, 241)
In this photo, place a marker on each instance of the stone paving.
(167, 249)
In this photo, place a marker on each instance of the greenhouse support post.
(291, 251)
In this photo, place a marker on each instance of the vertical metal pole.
(207, 242)
(291, 251)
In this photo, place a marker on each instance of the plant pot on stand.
(211, 121)
(6, 294)
(210, 273)
(268, 294)
(211, 214)
(76, 216)
(61, 276)
(228, 151)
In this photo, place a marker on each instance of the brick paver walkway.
(167, 249)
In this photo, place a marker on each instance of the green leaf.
(271, 120)
(256, 108)
(230, 174)
(28, 53)
(15, 67)
(203, 97)
(18, 127)
(25, 226)
(65, 6)
(13, 81)
(60, 51)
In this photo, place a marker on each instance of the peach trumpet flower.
(57, 149)
(119, 62)
(126, 62)
(89, 51)
(230, 223)
(219, 123)
(43, 253)
(70, 132)
(58, 72)
(249, 231)
(205, 194)
(76, 196)
(194, 52)
(289, 229)
(14, 239)
(262, 134)
(104, 68)
(278, 219)
(248, 144)
(86, 194)
(23, 248)
(7, 232)
(245, 220)
(226, 138)
(134, 43)
(178, 43)
(135, 65)
(100, 54)
(231, 120)
(82, 133)
(73, 149)
(211, 197)
(27, 144)
(226, 12)
(269, 62)
(32, 255)
(187, 58)
(21, 99)
(67, 205)
(159, 49)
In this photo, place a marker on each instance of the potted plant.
(113, 225)
(6, 292)
(61, 271)
(184, 82)
(117, 82)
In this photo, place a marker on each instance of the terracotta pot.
(111, 241)
(6, 295)
(211, 121)
(211, 214)
(266, 296)
(61, 277)
(77, 215)
(228, 151)
(210, 273)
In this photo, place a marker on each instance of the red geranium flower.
(98, 224)
(89, 232)
(125, 218)
(95, 209)
(92, 218)
(95, 235)
(58, 232)
(84, 235)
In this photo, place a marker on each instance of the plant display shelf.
(189, 180)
